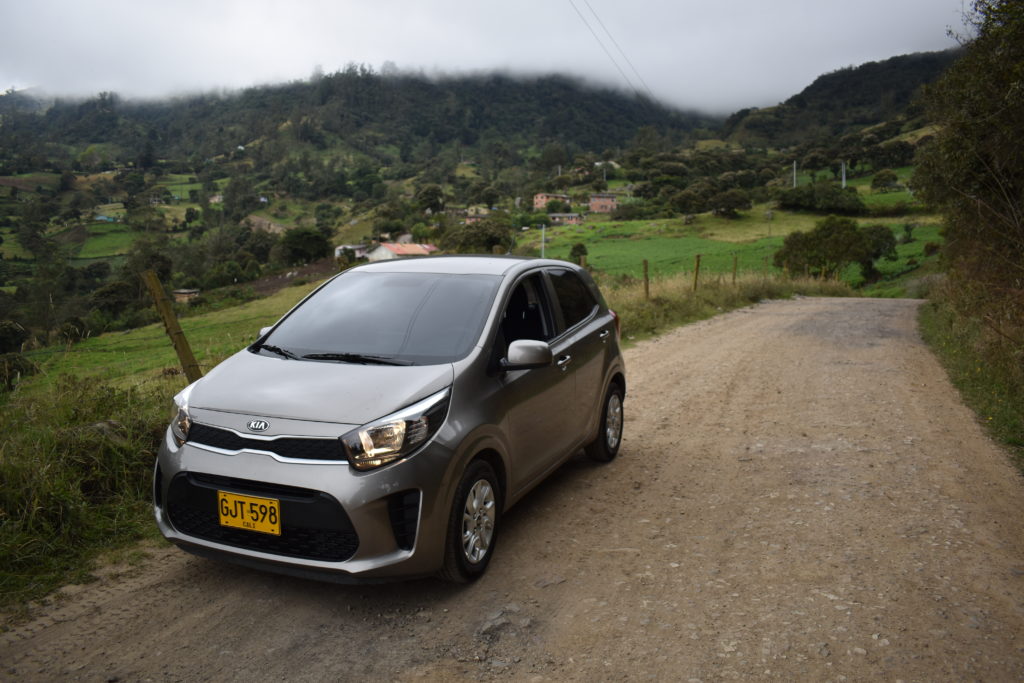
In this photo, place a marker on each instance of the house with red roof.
(386, 251)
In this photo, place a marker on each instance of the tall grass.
(674, 302)
(75, 467)
(984, 361)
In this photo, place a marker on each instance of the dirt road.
(800, 496)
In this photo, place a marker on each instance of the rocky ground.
(800, 496)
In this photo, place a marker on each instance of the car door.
(584, 340)
(537, 400)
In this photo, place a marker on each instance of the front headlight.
(397, 435)
(182, 422)
(180, 426)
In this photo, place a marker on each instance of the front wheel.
(473, 524)
(606, 446)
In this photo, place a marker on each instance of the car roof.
(461, 265)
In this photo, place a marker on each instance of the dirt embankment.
(800, 496)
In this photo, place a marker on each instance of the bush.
(823, 196)
(14, 366)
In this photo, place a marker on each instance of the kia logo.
(258, 425)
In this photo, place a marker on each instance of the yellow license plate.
(248, 512)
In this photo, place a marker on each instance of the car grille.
(286, 447)
(314, 525)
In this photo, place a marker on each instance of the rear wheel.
(606, 446)
(473, 524)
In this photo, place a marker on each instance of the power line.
(619, 48)
(606, 51)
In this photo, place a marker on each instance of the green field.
(139, 355)
(11, 248)
(670, 246)
(178, 185)
(107, 239)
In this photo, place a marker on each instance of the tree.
(303, 245)
(885, 180)
(687, 201)
(557, 206)
(879, 242)
(431, 198)
(822, 196)
(578, 251)
(730, 202)
(832, 245)
(114, 298)
(973, 168)
(478, 238)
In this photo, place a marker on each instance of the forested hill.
(841, 102)
(390, 118)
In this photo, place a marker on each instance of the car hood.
(310, 390)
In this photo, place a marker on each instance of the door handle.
(604, 335)
(563, 361)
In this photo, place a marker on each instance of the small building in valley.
(566, 218)
(541, 199)
(603, 203)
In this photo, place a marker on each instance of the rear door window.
(574, 298)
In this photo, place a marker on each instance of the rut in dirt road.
(800, 496)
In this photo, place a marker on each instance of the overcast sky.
(715, 56)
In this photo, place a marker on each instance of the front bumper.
(337, 523)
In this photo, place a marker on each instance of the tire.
(473, 524)
(609, 436)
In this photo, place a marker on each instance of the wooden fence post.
(174, 331)
(696, 271)
(735, 264)
(647, 283)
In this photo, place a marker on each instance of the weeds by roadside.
(987, 368)
(75, 467)
(673, 302)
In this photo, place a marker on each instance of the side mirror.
(263, 331)
(525, 354)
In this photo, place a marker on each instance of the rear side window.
(573, 296)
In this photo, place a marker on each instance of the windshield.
(396, 318)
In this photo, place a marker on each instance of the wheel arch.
(497, 463)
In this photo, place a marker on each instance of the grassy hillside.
(670, 245)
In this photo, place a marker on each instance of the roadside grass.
(988, 372)
(674, 302)
(75, 468)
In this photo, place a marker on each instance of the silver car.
(381, 428)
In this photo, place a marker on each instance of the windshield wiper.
(275, 349)
(357, 358)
